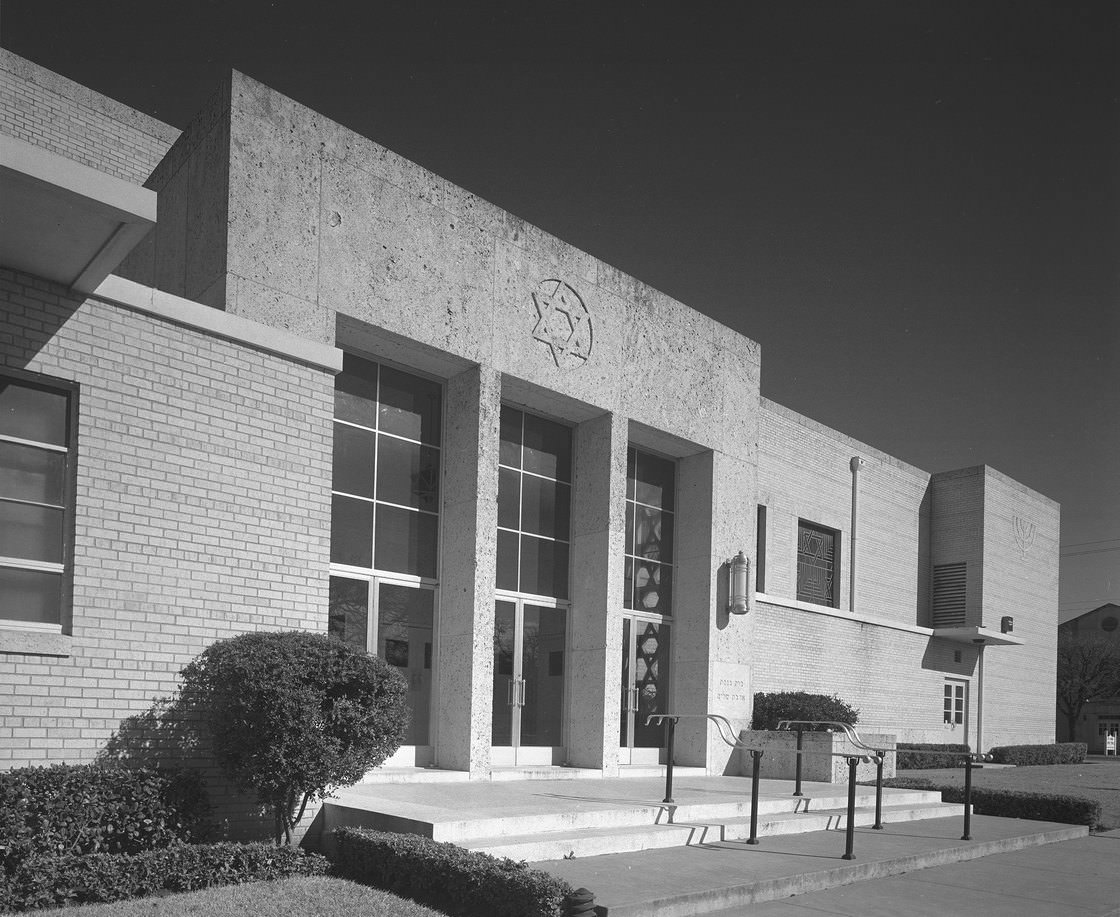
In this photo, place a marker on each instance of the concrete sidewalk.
(1079, 878)
(734, 878)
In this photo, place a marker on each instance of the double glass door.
(528, 705)
(645, 684)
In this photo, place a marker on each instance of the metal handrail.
(847, 728)
(721, 722)
(727, 733)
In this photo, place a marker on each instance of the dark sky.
(912, 206)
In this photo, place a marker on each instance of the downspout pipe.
(856, 464)
(980, 698)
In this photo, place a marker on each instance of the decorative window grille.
(949, 582)
(816, 564)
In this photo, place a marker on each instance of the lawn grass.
(318, 896)
(1095, 779)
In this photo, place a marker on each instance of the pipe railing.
(727, 734)
(877, 754)
(968, 759)
(866, 754)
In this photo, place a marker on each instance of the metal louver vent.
(948, 595)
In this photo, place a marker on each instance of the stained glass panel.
(651, 489)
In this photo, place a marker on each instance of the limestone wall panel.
(403, 264)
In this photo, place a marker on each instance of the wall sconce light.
(738, 570)
(1007, 624)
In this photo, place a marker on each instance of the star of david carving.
(563, 323)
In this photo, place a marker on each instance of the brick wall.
(1021, 531)
(1005, 533)
(202, 510)
(957, 534)
(49, 111)
(804, 473)
(894, 677)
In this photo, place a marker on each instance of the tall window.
(650, 503)
(816, 564)
(385, 522)
(36, 455)
(531, 607)
(534, 504)
(760, 550)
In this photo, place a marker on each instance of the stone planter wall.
(779, 761)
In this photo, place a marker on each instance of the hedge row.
(1057, 807)
(98, 877)
(76, 809)
(1058, 753)
(916, 755)
(459, 882)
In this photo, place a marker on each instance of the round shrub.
(295, 715)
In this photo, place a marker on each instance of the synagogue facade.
(265, 374)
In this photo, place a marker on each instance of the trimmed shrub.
(1057, 807)
(1057, 753)
(295, 715)
(85, 808)
(1071, 810)
(459, 882)
(915, 755)
(770, 709)
(98, 877)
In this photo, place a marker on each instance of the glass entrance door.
(393, 619)
(528, 704)
(645, 683)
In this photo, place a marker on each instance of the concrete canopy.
(979, 636)
(65, 221)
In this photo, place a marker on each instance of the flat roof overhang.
(977, 636)
(65, 221)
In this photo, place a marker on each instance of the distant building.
(1099, 719)
(326, 389)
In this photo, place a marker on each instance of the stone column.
(598, 541)
(693, 606)
(466, 612)
(711, 655)
(734, 492)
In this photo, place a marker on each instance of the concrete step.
(725, 876)
(356, 809)
(586, 842)
(408, 774)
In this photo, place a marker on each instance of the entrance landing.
(547, 819)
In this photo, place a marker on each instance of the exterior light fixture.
(738, 570)
(1007, 624)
